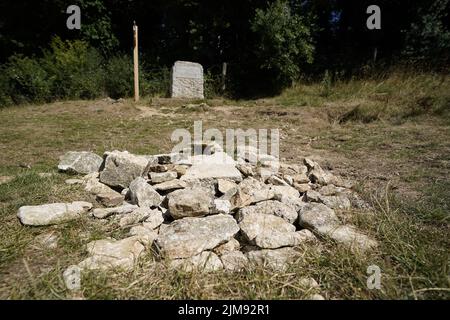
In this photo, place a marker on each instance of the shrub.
(25, 80)
(155, 81)
(76, 68)
(119, 77)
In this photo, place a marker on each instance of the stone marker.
(187, 80)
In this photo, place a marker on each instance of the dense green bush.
(155, 81)
(119, 77)
(76, 68)
(25, 80)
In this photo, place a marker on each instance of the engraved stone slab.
(187, 80)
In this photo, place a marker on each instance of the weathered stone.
(302, 188)
(222, 206)
(246, 169)
(6, 179)
(272, 207)
(143, 194)
(292, 169)
(138, 215)
(190, 236)
(187, 80)
(54, 213)
(304, 236)
(74, 181)
(204, 262)
(234, 261)
(317, 215)
(154, 220)
(226, 186)
(170, 185)
(48, 240)
(146, 237)
(300, 178)
(111, 199)
(121, 168)
(190, 203)
(156, 177)
(232, 245)
(312, 196)
(331, 190)
(107, 254)
(280, 191)
(340, 202)
(251, 191)
(349, 236)
(216, 166)
(102, 213)
(295, 203)
(278, 259)
(92, 185)
(276, 181)
(80, 162)
(266, 230)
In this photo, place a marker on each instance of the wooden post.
(224, 76)
(136, 63)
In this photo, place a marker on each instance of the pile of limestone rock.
(204, 212)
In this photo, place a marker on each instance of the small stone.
(47, 240)
(74, 181)
(163, 176)
(272, 207)
(121, 168)
(143, 194)
(278, 259)
(230, 246)
(111, 199)
(302, 188)
(246, 169)
(266, 230)
(204, 262)
(94, 186)
(190, 203)
(226, 186)
(276, 181)
(103, 213)
(54, 213)
(316, 215)
(190, 236)
(107, 254)
(170, 185)
(135, 217)
(349, 236)
(80, 162)
(234, 261)
(312, 196)
(154, 220)
(6, 179)
(222, 206)
(340, 202)
(280, 191)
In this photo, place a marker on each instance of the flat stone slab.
(80, 162)
(188, 237)
(54, 213)
(187, 80)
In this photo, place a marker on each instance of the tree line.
(267, 44)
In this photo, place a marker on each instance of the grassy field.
(391, 136)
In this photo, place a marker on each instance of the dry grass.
(400, 159)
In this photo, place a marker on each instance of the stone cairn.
(206, 212)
